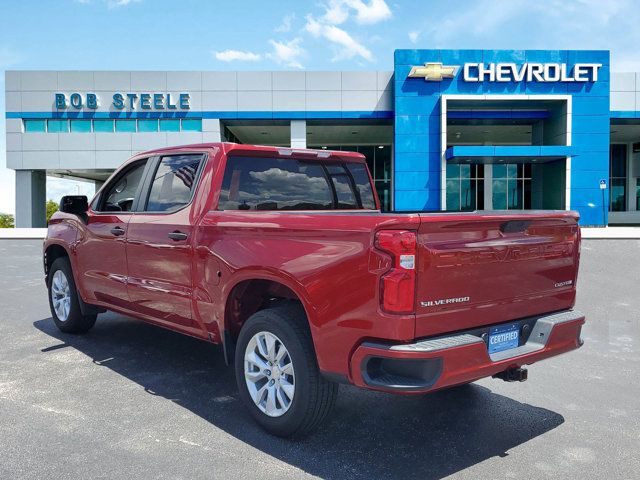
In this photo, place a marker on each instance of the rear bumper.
(446, 361)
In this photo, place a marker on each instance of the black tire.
(75, 322)
(314, 396)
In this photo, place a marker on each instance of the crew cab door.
(101, 250)
(159, 243)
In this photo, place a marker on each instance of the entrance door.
(465, 187)
(511, 186)
(159, 244)
(504, 186)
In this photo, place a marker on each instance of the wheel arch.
(252, 293)
(52, 252)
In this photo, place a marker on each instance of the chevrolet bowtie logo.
(433, 72)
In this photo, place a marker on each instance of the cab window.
(173, 183)
(120, 194)
(256, 183)
(362, 182)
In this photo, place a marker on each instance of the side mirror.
(74, 204)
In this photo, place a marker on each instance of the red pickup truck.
(283, 257)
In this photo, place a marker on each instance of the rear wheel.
(63, 299)
(277, 373)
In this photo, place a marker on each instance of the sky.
(287, 35)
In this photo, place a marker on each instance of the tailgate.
(490, 267)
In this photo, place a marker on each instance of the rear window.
(259, 183)
(362, 183)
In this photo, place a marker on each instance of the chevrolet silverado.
(283, 257)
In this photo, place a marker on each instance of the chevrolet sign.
(536, 72)
(509, 72)
(433, 72)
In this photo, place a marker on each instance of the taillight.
(399, 283)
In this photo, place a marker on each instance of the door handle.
(177, 236)
(117, 231)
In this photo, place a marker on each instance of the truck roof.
(259, 150)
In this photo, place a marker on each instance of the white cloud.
(285, 26)
(110, 3)
(335, 12)
(313, 26)
(346, 46)
(414, 35)
(287, 53)
(237, 55)
(120, 3)
(372, 12)
(367, 13)
(551, 24)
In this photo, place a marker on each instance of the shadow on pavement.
(368, 435)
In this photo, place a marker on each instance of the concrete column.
(211, 130)
(31, 196)
(298, 134)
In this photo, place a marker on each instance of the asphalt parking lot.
(130, 400)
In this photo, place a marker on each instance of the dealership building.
(452, 130)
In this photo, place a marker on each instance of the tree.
(6, 220)
(52, 207)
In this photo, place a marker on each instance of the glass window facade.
(80, 125)
(465, 187)
(511, 186)
(169, 125)
(35, 126)
(99, 125)
(148, 125)
(618, 178)
(191, 125)
(57, 126)
(103, 126)
(125, 125)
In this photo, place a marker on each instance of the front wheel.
(63, 299)
(277, 373)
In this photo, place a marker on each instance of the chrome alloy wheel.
(61, 295)
(269, 374)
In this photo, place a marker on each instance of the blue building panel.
(586, 180)
(419, 181)
(544, 56)
(417, 114)
(417, 143)
(420, 124)
(589, 124)
(417, 162)
(417, 200)
(595, 105)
